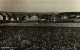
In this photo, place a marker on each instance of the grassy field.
(40, 37)
(42, 24)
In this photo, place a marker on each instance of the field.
(40, 37)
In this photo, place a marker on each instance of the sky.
(40, 5)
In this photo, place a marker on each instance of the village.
(24, 17)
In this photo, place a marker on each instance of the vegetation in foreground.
(40, 38)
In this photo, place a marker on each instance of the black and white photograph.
(39, 24)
